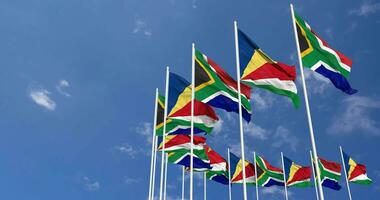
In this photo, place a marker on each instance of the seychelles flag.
(356, 173)
(259, 70)
(237, 170)
(296, 175)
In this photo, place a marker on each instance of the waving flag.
(296, 175)
(215, 87)
(183, 156)
(259, 70)
(320, 57)
(330, 174)
(267, 175)
(160, 114)
(179, 105)
(356, 173)
(237, 170)
(218, 171)
(180, 141)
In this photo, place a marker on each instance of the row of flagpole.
(163, 177)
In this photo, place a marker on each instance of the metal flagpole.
(229, 175)
(204, 186)
(345, 172)
(183, 182)
(166, 175)
(315, 180)
(315, 154)
(257, 184)
(240, 110)
(153, 148)
(283, 168)
(192, 119)
(154, 166)
(164, 134)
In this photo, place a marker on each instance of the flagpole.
(345, 172)
(229, 175)
(164, 133)
(283, 168)
(153, 149)
(192, 119)
(154, 166)
(240, 110)
(257, 184)
(307, 104)
(204, 186)
(166, 175)
(183, 182)
(315, 180)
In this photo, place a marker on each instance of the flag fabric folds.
(217, 88)
(218, 171)
(296, 175)
(180, 141)
(237, 170)
(356, 173)
(317, 55)
(179, 107)
(330, 173)
(267, 175)
(160, 114)
(259, 70)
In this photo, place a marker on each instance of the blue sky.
(78, 78)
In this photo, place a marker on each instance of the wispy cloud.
(355, 114)
(91, 185)
(316, 83)
(256, 131)
(62, 85)
(145, 129)
(274, 191)
(130, 180)
(42, 98)
(194, 4)
(329, 32)
(366, 8)
(283, 137)
(127, 149)
(218, 127)
(262, 100)
(142, 27)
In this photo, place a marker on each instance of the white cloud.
(62, 84)
(91, 185)
(261, 101)
(256, 131)
(145, 130)
(218, 127)
(127, 149)
(129, 180)
(366, 8)
(41, 97)
(356, 115)
(142, 27)
(274, 191)
(194, 4)
(316, 83)
(283, 137)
